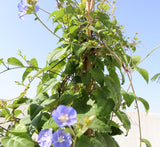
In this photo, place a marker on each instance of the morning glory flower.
(64, 116)
(60, 139)
(45, 138)
(23, 7)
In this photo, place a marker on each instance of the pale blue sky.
(34, 41)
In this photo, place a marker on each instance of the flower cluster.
(63, 116)
(25, 8)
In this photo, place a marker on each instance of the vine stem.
(4, 128)
(137, 107)
(149, 54)
(74, 144)
(72, 130)
(130, 79)
(44, 11)
(75, 137)
(46, 26)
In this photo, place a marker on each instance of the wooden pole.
(89, 7)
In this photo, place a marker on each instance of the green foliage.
(148, 144)
(86, 72)
(124, 119)
(128, 97)
(156, 77)
(145, 103)
(17, 137)
(144, 73)
(102, 140)
(1, 61)
(14, 61)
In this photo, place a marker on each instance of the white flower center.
(61, 139)
(64, 117)
(48, 138)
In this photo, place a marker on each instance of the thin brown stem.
(47, 27)
(137, 107)
(149, 54)
(130, 79)
(4, 128)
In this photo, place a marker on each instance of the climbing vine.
(80, 89)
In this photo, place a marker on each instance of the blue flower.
(64, 116)
(60, 139)
(22, 7)
(45, 138)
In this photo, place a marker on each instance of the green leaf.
(156, 77)
(40, 120)
(104, 6)
(124, 119)
(145, 103)
(86, 78)
(104, 18)
(58, 14)
(84, 141)
(50, 124)
(79, 49)
(73, 31)
(148, 144)
(136, 59)
(26, 73)
(97, 75)
(105, 104)
(100, 140)
(59, 26)
(93, 29)
(51, 101)
(17, 112)
(144, 73)
(113, 88)
(55, 55)
(15, 61)
(128, 97)
(104, 140)
(20, 128)
(17, 140)
(66, 99)
(50, 84)
(34, 62)
(70, 67)
(114, 75)
(25, 120)
(34, 110)
(36, 120)
(40, 98)
(1, 60)
(99, 125)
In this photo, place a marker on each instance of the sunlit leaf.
(136, 59)
(15, 61)
(144, 73)
(34, 62)
(17, 140)
(124, 119)
(145, 103)
(148, 144)
(55, 55)
(128, 97)
(26, 73)
(50, 84)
